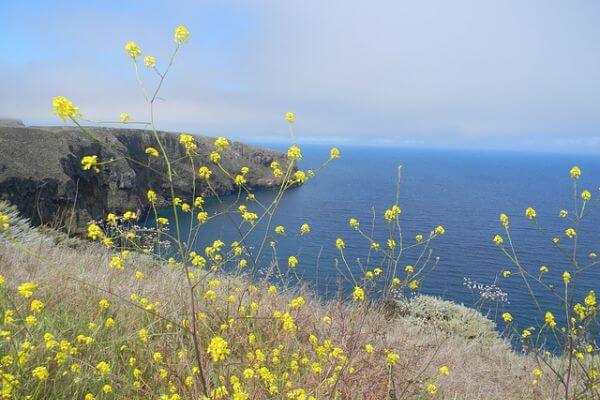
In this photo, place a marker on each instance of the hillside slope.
(73, 276)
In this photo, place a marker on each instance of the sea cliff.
(41, 173)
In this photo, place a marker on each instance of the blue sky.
(465, 74)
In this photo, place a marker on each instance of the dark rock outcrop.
(41, 172)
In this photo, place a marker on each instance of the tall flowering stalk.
(577, 369)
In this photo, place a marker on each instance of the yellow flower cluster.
(90, 162)
(64, 108)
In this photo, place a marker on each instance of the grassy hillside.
(103, 326)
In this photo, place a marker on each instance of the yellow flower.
(162, 221)
(221, 143)
(107, 389)
(116, 262)
(202, 217)
(440, 230)
(94, 232)
(507, 317)
(498, 240)
(354, 224)
(566, 277)
(444, 370)
(294, 153)
(543, 269)
(334, 153)
(419, 238)
(188, 142)
(4, 221)
(358, 294)
(150, 61)
(549, 318)
(239, 179)
(504, 219)
(151, 195)
(111, 218)
(586, 195)
(204, 172)
(103, 304)
(36, 306)
(413, 285)
(292, 262)
(64, 108)
(214, 157)
(132, 49)
(151, 151)
(103, 368)
(563, 213)
(304, 228)
(30, 320)
(90, 162)
(290, 117)
(280, 229)
(210, 295)
(130, 216)
(181, 35)
(41, 373)
(431, 388)
(143, 334)
(124, 118)
(339, 243)
(300, 176)
(297, 302)
(409, 269)
(369, 348)
(590, 299)
(575, 172)
(391, 359)
(326, 319)
(26, 289)
(218, 349)
(530, 213)
(506, 274)
(570, 232)
(392, 213)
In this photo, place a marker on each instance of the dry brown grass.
(481, 368)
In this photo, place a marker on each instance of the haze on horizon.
(460, 74)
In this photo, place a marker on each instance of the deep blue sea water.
(464, 191)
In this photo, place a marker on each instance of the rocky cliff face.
(41, 174)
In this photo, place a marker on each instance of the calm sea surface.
(465, 191)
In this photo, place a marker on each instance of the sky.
(521, 75)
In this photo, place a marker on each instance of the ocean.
(464, 191)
